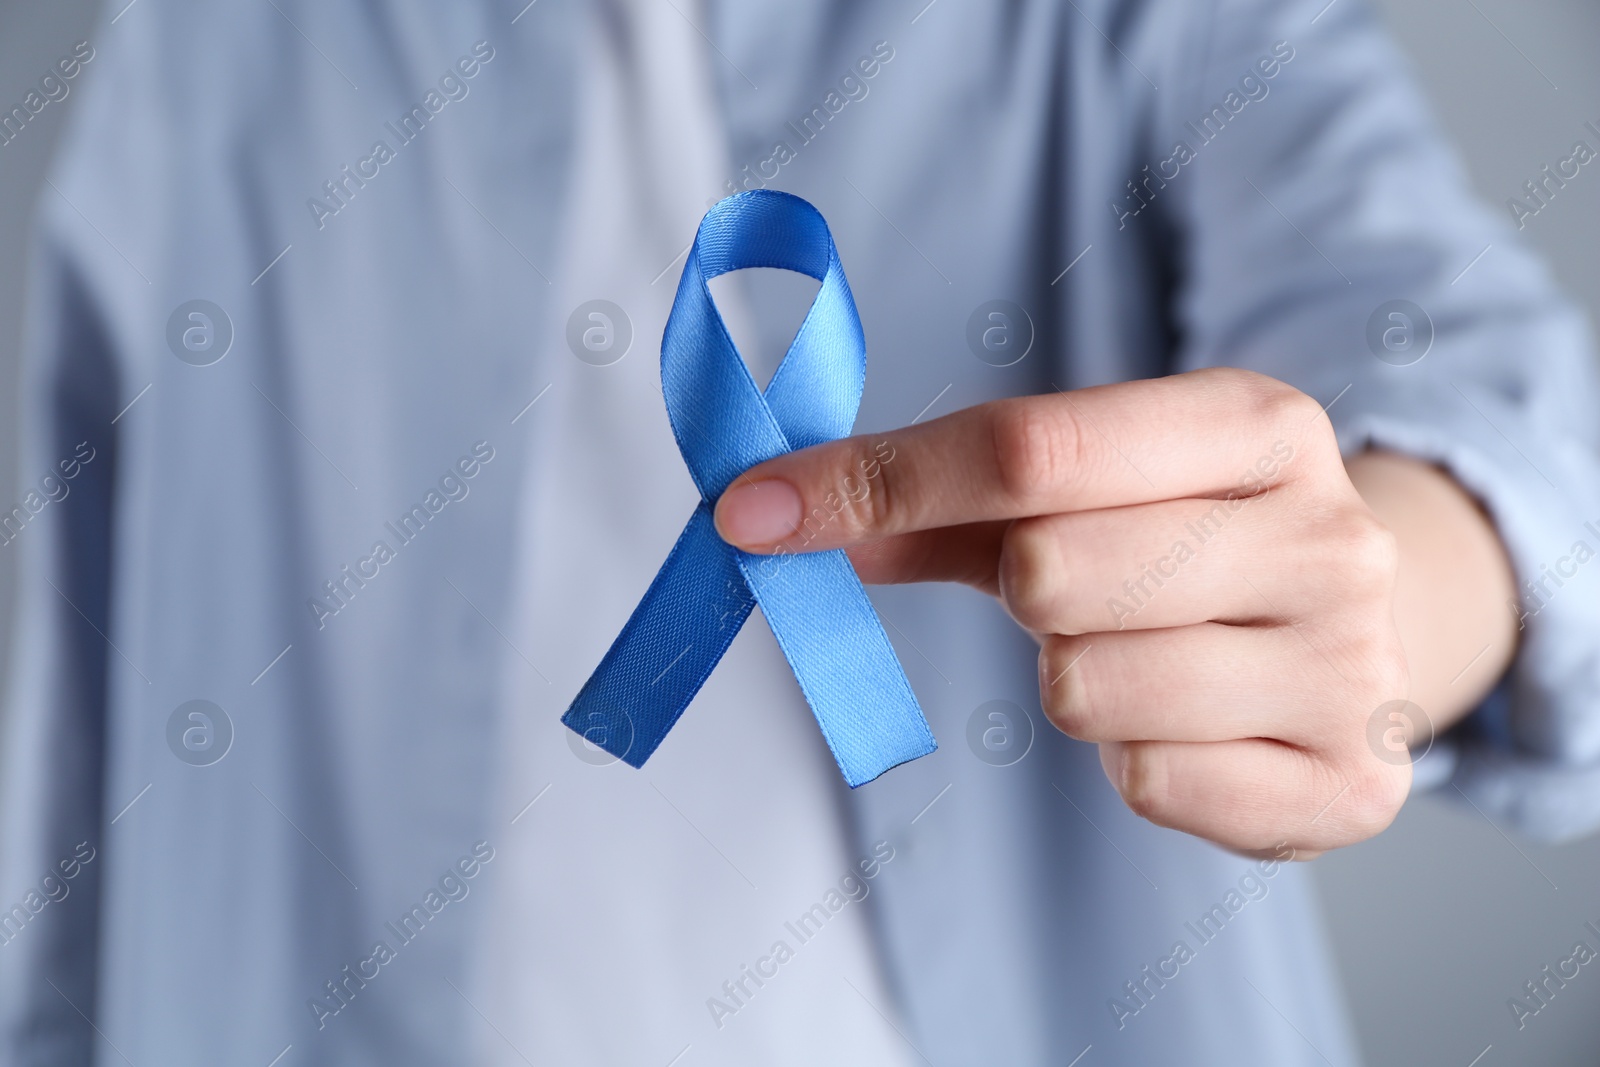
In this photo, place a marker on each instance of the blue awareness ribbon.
(724, 424)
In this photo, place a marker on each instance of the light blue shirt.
(1024, 152)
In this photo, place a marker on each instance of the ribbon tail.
(669, 647)
(847, 669)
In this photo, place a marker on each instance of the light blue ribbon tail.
(843, 660)
(724, 424)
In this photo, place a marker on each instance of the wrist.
(1453, 583)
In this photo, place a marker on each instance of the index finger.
(1213, 433)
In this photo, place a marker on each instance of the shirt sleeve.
(1327, 235)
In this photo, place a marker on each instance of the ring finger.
(1190, 683)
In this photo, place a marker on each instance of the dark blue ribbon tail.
(668, 648)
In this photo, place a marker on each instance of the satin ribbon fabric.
(724, 424)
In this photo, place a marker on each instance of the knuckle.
(1269, 402)
(871, 504)
(1376, 795)
(1282, 405)
(1037, 447)
(1288, 412)
(1376, 556)
(1294, 409)
(1320, 442)
(1368, 553)
(1029, 574)
(1266, 395)
(1351, 553)
(1234, 379)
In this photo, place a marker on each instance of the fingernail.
(1114, 761)
(754, 514)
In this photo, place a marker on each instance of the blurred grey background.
(1441, 920)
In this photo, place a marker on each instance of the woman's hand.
(1215, 601)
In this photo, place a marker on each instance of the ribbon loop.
(724, 424)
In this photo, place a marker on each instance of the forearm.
(1454, 583)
